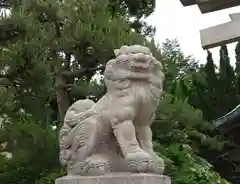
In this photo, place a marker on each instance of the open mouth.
(139, 65)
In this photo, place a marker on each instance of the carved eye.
(123, 50)
(139, 57)
(121, 59)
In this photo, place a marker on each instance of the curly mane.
(133, 64)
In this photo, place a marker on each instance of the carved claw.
(96, 170)
(141, 166)
(159, 167)
(97, 165)
(158, 163)
(140, 162)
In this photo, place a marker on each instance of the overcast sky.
(172, 20)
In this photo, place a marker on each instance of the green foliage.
(214, 92)
(219, 94)
(34, 149)
(176, 64)
(183, 124)
(128, 8)
(45, 31)
(50, 178)
(226, 70)
(38, 41)
(180, 134)
(185, 167)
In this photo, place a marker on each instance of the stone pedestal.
(118, 178)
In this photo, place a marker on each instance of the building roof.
(188, 2)
(228, 118)
(207, 6)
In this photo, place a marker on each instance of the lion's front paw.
(96, 170)
(97, 165)
(159, 166)
(158, 163)
(140, 162)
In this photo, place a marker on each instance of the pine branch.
(9, 75)
(19, 71)
(80, 72)
(67, 60)
(9, 78)
(3, 148)
(61, 86)
(7, 6)
(5, 83)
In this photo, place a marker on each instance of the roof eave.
(188, 2)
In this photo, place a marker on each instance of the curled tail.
(74, 117)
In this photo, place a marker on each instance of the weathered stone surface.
(220, 35)
(116, 178)
(114, 134)
(235, 16)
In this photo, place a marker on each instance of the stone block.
(220, 35)
(116, 178)
(235, 16)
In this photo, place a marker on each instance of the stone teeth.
(139, 65)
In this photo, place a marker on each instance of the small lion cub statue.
(113, 134)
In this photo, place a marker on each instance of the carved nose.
(141, 58)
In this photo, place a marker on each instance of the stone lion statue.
(114, 135)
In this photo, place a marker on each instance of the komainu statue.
(114, 135)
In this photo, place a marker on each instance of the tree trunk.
(63, 101)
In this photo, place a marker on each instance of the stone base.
(116, 178)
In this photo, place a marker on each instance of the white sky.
(173, 20)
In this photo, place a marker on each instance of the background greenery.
(43, 46)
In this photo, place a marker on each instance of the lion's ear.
(116, 52)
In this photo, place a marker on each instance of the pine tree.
(209, 98)
(44, 45)
(237, 52)
(226, 87)
(209, 69)
(45, 66)
(237, 67)
(226, 70)
(176, 64)
(181, 135)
